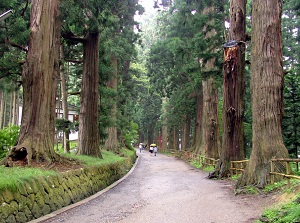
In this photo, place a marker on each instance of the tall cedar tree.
(234, 88)
(267, 92)
(40, 73)
(89, 137)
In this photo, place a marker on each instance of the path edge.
(69, 207)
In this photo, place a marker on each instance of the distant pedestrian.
(141, 147)
(155, 150)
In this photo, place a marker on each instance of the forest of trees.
(217, 78)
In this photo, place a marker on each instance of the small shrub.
(8, 138)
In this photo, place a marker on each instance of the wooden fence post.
(288, 172)
(272, 170)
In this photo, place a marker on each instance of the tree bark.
(164, 128)
(267, 92)
(210, 121)
(64, 101)
(2, 108)
(186, 133)
(198, 136)
(89, 137)
(111, 142)
(39, 75)
(234, 88)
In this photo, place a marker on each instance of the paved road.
(163, 189)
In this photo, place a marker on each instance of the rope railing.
(239, 166)
(288, 172)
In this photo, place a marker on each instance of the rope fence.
(279, 167)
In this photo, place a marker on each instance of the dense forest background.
(159, 76)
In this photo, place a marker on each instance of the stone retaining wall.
(42, 195)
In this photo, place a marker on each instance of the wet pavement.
(164, 189)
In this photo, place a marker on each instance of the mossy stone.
(5, 210)
(21, 217)
(44, 184)
(30, 200)
(28, 188)
(52, 205)
(71, 184)
(11, 219)
(69, 192)
(39, 199)
(64, 186)
(46, 209)
(45, 197)
(58, 201)
(55, 181)
(76, 181)
(14, 207)
(22, 189)
(36, 210)
(67, 199)
(2, 219)
(27, 212)
(7, 195)
(21, 202)
(33, 186)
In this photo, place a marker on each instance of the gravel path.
(164, 189)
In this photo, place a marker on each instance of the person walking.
(140, 147)
(155, 150)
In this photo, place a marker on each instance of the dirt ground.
(166, 189)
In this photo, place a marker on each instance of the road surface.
(163, 189)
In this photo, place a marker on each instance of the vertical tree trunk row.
(267, 91)
(89, 139)
(111, 142)
(64, 100)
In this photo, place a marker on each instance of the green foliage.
(131, 136)
(8, 137)
(63, 125)
(288, 213)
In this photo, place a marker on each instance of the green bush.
(8, 138)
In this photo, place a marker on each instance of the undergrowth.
(287, 213)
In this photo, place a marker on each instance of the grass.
(10, 177)
(108, 157)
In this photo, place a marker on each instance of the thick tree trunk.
(176, 138)
(36, 138)
(210, 121)
(267, 92)
(198, 136)
(164, 128)
(64, 101)
(186, 133)
(234, 88)
(13, 118)
(111, 142)
(89, 138)
(1, 108)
